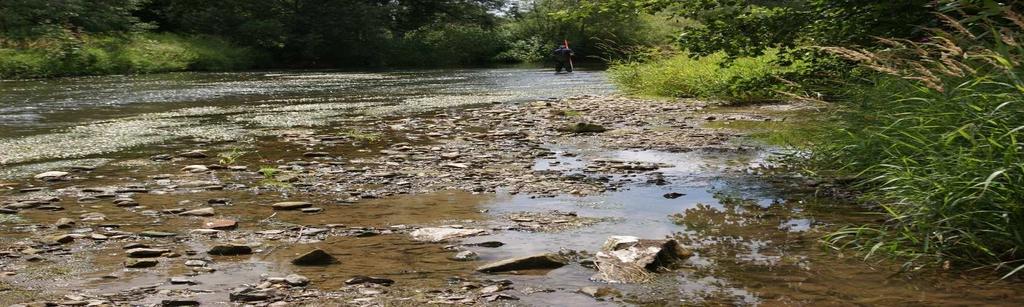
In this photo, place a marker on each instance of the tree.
(21, 19)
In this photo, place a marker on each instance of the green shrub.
(67, 55)
(715, 76)
(937, 141)
(447, 45)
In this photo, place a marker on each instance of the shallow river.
(755, 245)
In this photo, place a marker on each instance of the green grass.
(132, 54)
(716, 76)
(937, 142)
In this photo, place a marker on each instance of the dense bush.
(446, 45)
(715, 76)
(937, 140)
(62, 55)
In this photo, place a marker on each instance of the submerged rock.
(249, 294)
(315, 257)
(194, 154)
(533, 262)
(631, 259)
(584, 128)
(600, 292)
(438, 234)
(199, 212)
(466, 256)
(369, 280)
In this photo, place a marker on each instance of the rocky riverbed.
(188, 222)
(579, 201)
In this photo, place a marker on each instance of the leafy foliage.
(715, 76)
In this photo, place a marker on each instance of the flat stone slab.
(291, 205)
(544, 261)
(438, 234)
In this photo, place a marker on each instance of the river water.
(756, 245)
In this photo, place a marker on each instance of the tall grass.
(64, 54)
(715, 76)
(937, 140)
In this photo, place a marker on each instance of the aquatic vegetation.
(231, 157)
(362, 135)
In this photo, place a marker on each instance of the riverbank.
(377, 191)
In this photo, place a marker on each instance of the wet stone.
(230, 250)
(140, 263)
(64, 223)
(630, 259)
(465, 256)
(600, 292)
(181, 281)
(125, 202)
(178, 302)
(438, 234)
(52, 176)
(156, 234)
(195, 154)
(195, 168)
(146, 252)
(221, 224)
(315, 257)
(59, 239)
(312, 210)
(199, 212)
(296, 280)
(291, 205)
(673, 195)
(249, 294)
(218, 201)
(369, 280)
(533, 262)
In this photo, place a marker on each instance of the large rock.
(230, 250)
(438, 234)
(535, 262)
(625, 259)
(291, 205)
(315, 257)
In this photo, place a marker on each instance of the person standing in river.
(563, 56)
